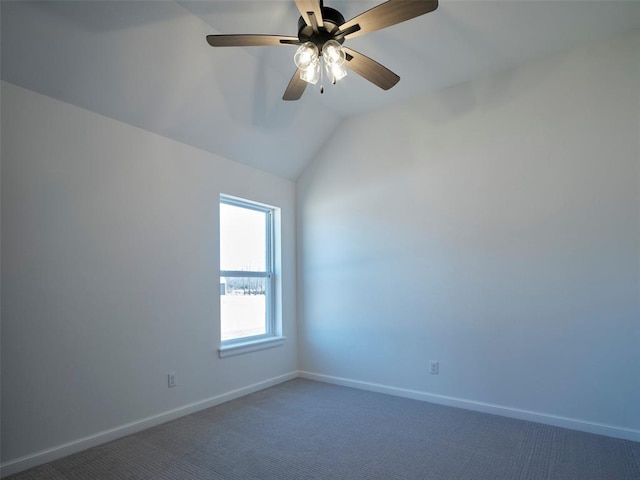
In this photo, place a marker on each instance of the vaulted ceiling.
(146, 63)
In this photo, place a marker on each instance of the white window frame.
(271, 337)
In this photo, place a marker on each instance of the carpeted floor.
(308, 430)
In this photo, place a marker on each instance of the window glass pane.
(243, 307)
(242, 239)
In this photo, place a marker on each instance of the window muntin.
(246, 270)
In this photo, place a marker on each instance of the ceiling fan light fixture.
(306, 56)
(311, 74)
(335, 72)
(333, 57)
(333, 53)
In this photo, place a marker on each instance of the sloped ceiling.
(146, 63)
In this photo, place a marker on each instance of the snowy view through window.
(243, 248)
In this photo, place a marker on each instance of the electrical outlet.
(434, 367)
(171, 379)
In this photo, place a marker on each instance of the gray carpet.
(308, 430)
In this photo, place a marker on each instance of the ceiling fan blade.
(250, 40)
(311, 11)
(370, 69)
(387, 14)
(296, 87)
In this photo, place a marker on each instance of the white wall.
(495, 227)
(109, 264)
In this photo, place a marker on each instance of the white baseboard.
(59, 451)
(555, 420)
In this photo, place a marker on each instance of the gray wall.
(493, 226)
(109, 274)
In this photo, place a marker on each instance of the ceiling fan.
(321, 34)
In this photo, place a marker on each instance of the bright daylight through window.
(246, 271)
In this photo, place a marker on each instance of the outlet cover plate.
(434, 367)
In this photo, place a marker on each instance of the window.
(247, 278)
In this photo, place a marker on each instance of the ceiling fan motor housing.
(332, 19)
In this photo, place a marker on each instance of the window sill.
(252, 346)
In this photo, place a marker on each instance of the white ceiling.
(147, 63)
